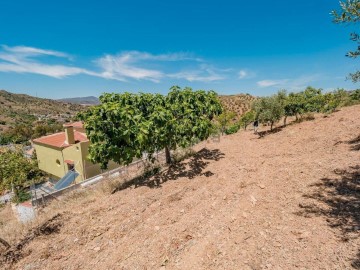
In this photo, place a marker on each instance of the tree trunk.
(167, 155)
(272, 123)
(285, 120)
(6, 244)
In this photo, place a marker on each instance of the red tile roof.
(59, 139)
(78, 124)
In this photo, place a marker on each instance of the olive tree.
(268, 110)
(247, 118)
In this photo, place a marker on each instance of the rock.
(262, 186)
(157, 228)
(96, 248)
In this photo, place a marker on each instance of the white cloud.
(268, 83)
(21, 59)
(295, 84)
(204, 73)
(56, 71)
(126, 65)
(123, 66)
(246, 74)
(120, 67)
(242, 74)
(30, 51)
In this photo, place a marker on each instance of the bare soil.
(287, 200)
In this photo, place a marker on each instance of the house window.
(58, 162)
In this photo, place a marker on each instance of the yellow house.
(62, 153)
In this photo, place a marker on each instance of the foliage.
(225, 119)
(16, 171)
(350, 13)
(269, 109)
(22, 133)
(355, 95)
(294, 105)
(233, 129)
(313, 99)
(247, 118)
(124, 126)
(22, 195)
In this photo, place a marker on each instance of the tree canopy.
(125, 126)
(16, 171)
(350, 13)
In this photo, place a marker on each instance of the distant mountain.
(91, 100)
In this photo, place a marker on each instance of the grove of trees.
(126, 126)
(271, 109)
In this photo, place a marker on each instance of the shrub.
(232, 129)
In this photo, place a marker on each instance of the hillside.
(20, 108)
(287, 200)
(90, 100)
(240, 103)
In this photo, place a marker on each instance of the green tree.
(225, 119)
(268, 110)
(350, 13)
(355, 95)
(313, 99)
(125, 126)
(247, 118)
(294, 106)
(17, 172)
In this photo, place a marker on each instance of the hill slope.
(288, 200)
(20, 108)
(240, 103)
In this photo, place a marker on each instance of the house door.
(70, 167)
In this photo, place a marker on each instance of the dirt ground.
(287, 200)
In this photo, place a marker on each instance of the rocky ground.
(287, 200)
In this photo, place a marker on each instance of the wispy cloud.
(294, 84)
(124, 66)
(130, 65)
(204, 73)
(246, 74)
(121, 67)
(21, 59)
(31, 51)
(268, 83)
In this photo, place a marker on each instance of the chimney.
(69, 134)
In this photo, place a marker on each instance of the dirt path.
(290, 200)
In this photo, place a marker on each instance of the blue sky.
(80, 48)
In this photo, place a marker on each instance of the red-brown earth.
(287, 200)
